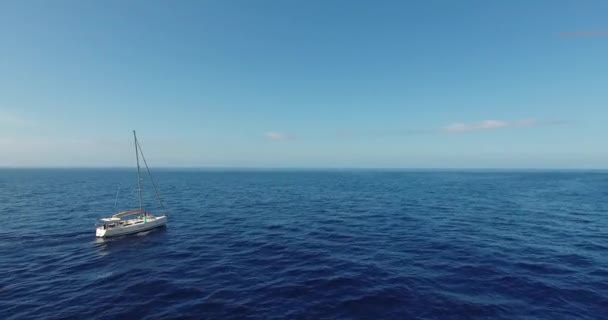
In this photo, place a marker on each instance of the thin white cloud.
(278, 136)
(26, 151)
(585, 34)
(488, 125)
(20, 150)
(7, 119)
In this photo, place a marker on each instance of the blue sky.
(401, 84)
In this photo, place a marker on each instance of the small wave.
(312, 245)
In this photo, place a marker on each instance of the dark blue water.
(308, 245)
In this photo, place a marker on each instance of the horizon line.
(214, 168)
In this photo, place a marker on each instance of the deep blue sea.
(287, 244)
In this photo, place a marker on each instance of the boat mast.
(138, 175)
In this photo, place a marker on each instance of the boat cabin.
(124, 218)
(108, 223)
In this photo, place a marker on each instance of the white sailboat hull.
(135, 226)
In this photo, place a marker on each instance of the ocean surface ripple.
(332, 244)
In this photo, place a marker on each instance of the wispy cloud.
(488, 125)
(278, 136)
(19, 150)
(7, 119)
(585, 34)
(41, 151)
(453, 128)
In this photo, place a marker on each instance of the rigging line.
(152, 179)
(116, 201)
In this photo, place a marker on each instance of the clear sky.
(401, 84)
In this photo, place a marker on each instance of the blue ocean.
(307, 244)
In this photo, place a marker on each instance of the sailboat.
(134, 220)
